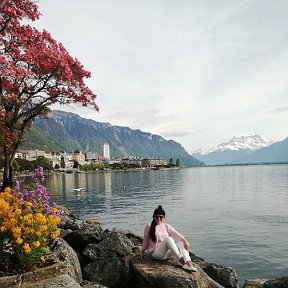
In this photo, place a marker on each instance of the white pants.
(169, 248)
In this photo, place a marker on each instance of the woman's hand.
(186, 244)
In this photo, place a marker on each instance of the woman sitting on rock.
(162, 241)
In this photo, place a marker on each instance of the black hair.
(158, 211)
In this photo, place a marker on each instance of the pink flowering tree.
(35, 72)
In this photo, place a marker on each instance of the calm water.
(234, 216)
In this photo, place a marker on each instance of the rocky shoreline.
(87, 256)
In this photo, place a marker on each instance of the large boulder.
(109, 272)
(108, 260)
(137, 240)
(168, 274)
(69, 221)
(276, 283)
(79, 239)
(93, 253)
(88, 284)
(254, 283)
(226, 276)
(116, 242)
(50, 276)
(68, 256)
(62, 281)
(264, 283)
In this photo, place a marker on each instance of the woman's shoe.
(189, 268)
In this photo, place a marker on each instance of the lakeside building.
(33, 154)
(153, 162)
(20, 155)
(132, 161)
(106, 150)
(92, 157)
(77, 157)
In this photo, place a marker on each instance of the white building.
(20, 154)
(106, 150)
(92, 157)
(30, 155)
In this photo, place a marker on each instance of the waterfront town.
(77, 160)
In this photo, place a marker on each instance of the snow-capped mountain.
(231, 151)
(251, 142)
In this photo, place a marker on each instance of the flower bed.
(27, 225)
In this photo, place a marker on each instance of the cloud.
(211, 68)
(277, 110)
(178, 133)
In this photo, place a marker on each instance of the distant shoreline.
(247, 164)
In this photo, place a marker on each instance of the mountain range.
(244, 150)
(63, 131)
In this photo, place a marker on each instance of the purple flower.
(35, 192)
(17, 184)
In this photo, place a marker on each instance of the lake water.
(234, 216)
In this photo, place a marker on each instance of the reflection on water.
(235, 216)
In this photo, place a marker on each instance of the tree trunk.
(9, 155)
(8, 171)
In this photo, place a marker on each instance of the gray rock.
(69, 221)
(64, 232)
(254, 283)
(168, 274)
(65, 212)
(108, 256)
(72, 224)
(93, 253)
(62, 281)
(108, 272)
(87, 284)
(136, 240)
(89, 234)
(264, 283)
(116, 242)
(68, 256)
(92, 221)
(43, 277)
(226, 276)
(276, 283)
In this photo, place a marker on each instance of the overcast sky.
(197, 72)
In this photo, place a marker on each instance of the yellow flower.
(28, 218)
(7, 190)
(19, 240)
(18, 211)
(36, 244)
(29, 230)
(3, 229)
(43, 228)
(16, 231)
(57, 220)
(26, 248)
(54, 220)
(28, 203)
(55, 234)
(4, 206)
(54, 210)
(40, 218)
